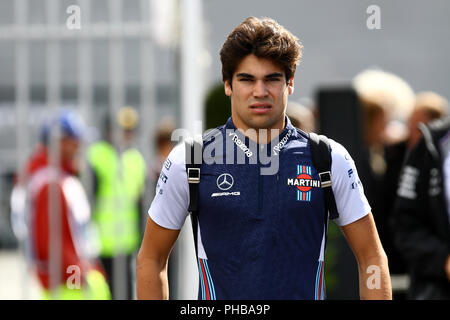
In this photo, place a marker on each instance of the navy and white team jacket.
(259, 236)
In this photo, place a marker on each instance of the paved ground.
(15, 283)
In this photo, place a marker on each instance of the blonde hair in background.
(435, 105)
(387, 90)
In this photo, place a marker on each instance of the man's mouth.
(260, 107)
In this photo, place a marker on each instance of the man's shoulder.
(178, 155)
(335, 146)
(338, 150)
(340, 157)
(300, 134)
(213, 135)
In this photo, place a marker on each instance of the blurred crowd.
(95, 221)
(79, 220)
(405, 178)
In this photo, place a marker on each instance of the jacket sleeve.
(411, 222)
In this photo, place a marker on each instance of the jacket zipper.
(260, 190)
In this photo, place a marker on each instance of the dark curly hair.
(264, 38)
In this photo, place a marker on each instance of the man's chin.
(260, 123)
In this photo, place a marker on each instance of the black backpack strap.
(194, 157)
(321, 158)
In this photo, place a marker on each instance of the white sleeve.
(348, 190)
(169, 208)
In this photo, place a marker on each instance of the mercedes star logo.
(225, 181)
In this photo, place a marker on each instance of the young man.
(260, 235)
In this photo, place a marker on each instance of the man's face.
(69, 148)
(127, 137)
(259, 94)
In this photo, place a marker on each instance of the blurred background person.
(384, 98)
(390, 92)
(118, 186)
(375, 119)
(428, 106)
(301, 117)
(386, 101)
(50, 204)
(420, 219)
(164, 145)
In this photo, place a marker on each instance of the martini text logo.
(304, 183)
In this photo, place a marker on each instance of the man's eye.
(245, 79)
(274, 79)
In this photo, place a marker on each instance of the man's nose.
(260, 89)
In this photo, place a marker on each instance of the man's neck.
(263, 135)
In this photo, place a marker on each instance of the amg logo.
(303, 182)
(221, 194)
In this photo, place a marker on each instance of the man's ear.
(291, 86)
(227, 86)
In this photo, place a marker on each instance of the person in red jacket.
(59, 239)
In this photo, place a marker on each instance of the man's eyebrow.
(271, 75)
(244, 75)
(274, 75)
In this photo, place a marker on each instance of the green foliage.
(217, 108)
(331, 279)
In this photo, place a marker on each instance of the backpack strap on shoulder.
(194, 157)
(321, 158)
